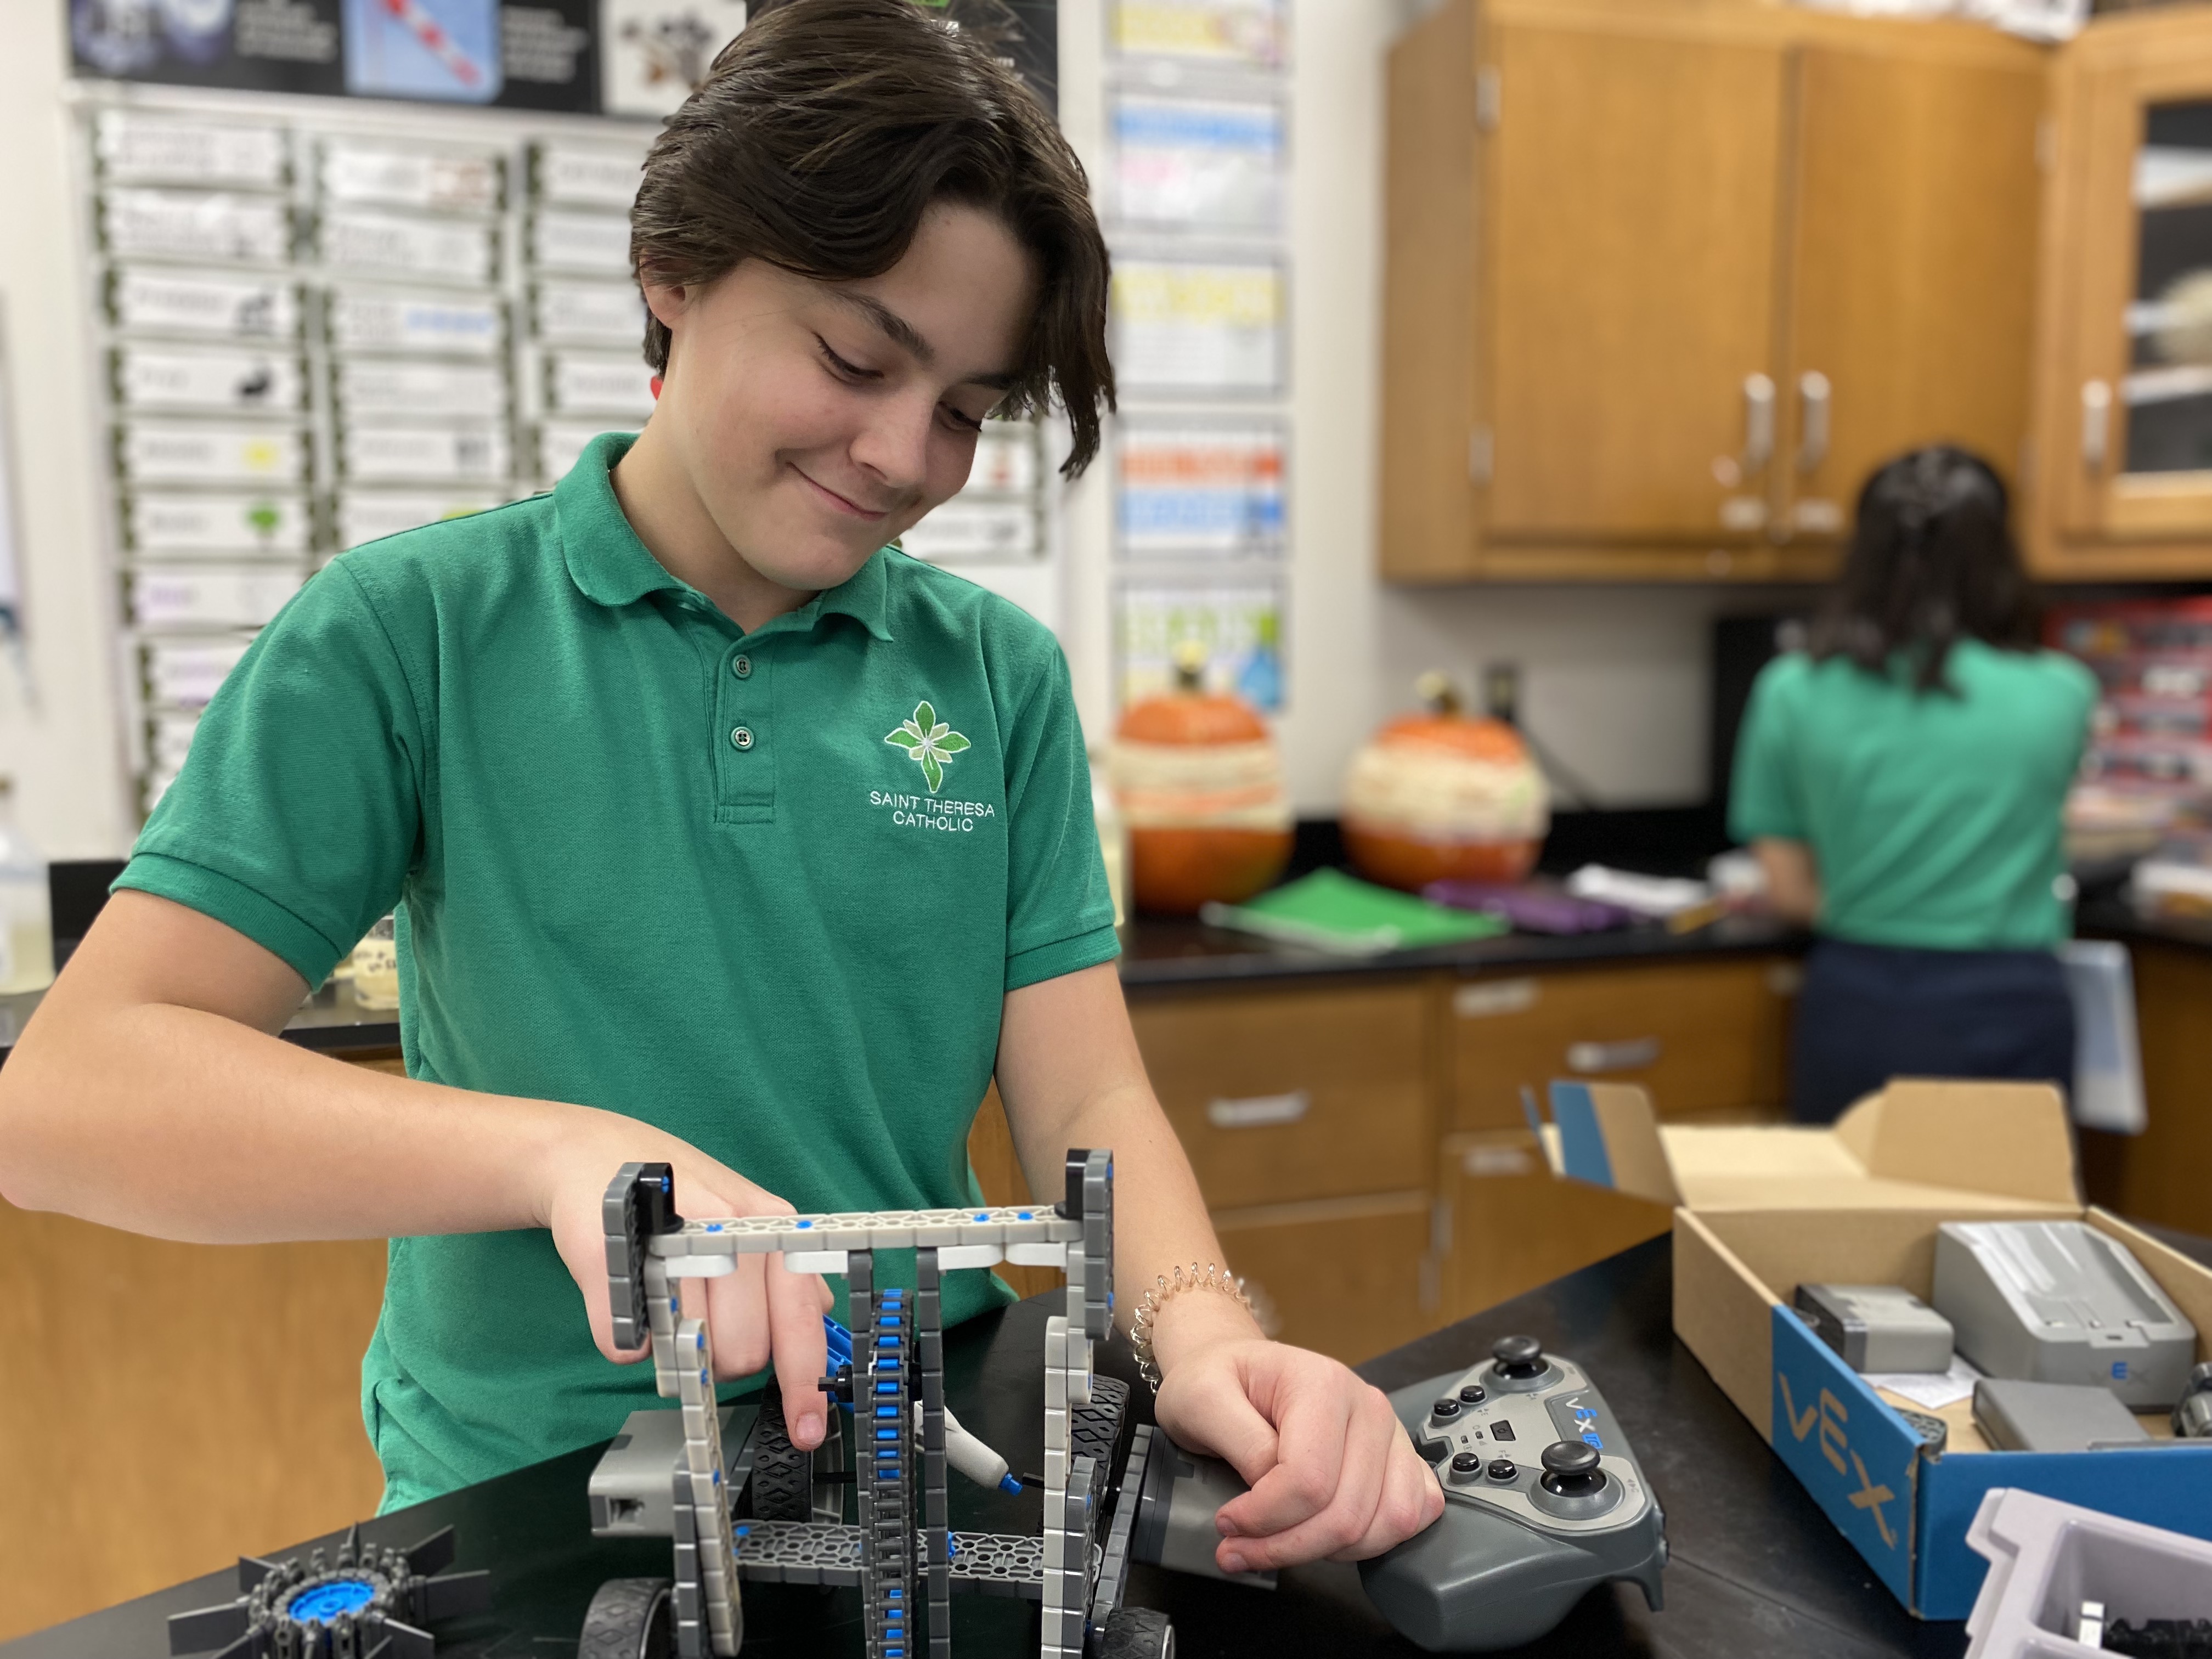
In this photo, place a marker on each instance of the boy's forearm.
(186, 1124)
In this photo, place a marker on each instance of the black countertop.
(1756, 1569)
(1165, 955)
(1158, 953)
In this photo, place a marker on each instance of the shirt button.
(742, 667)
(741, 736)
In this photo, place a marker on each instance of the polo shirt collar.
(611, 566)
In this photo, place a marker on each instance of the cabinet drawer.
(1506, 1225)
(1283, 1096)
(1348, 1278)
(1707, 1038)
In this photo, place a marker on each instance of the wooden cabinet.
(2124, 385)
(1707, 1039)
(1309, 1115)
(1350, 1278)
(1504, 1224)
(166, 1408)
(1285, 1095)
(1665, 279)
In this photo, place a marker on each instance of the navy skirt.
(1870, 1012)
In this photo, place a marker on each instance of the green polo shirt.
(1933, 817)
(764, 891)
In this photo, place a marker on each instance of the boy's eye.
(843, 369)
(965, 422)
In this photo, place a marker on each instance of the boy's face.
(817, 421)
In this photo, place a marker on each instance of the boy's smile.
(803, 424)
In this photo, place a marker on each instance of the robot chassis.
(902, 1555)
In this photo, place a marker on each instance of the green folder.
(1331, 911)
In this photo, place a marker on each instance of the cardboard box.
(1760, 1210)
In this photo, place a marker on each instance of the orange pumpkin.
(1201, 787)
(1444, 796)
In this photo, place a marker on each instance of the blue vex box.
(1760, 1210)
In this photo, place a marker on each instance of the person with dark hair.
(720, 833)
(1901, 781)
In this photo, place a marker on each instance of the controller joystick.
(1571, 1469)
(1519, 1358)
(1543, 1497)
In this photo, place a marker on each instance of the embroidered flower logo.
(929, 742)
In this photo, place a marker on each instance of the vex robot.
(1544, 1498)
(765, 1510)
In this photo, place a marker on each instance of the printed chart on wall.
(625, 57)
(1244, 31)
(1204, 328)
(1200, 164)
(1193, 491)
(1240, 623)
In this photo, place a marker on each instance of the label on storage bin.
(205, 303)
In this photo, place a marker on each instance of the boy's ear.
(666, 300)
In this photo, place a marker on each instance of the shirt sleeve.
(299, 809)
(1763, 794)
(1060, 915)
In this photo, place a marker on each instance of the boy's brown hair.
(823, 132)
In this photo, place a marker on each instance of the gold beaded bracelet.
(1162, 1290)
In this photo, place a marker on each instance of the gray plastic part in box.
(2052, 1417)
(2059, 1301)
(2047, 1559)
(1877, 1327)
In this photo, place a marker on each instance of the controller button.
(1502, 1468)
(1501, 1430)
(1444, 1410)
(1571, 1469)
(1518, 1357)
(1467, 1463)
(1474, 1393)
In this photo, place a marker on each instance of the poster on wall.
(1255, 32)
(636, 59)
(1239, 623)
(1200, 327)
(1195, 164)
(1214, 491)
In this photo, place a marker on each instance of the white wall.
(63, 750)
(1614, 678)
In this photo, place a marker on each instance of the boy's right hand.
(758, 1313)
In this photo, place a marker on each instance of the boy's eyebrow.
(904, 334)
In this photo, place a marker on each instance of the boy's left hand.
(1333, 1473)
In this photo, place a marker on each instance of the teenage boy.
(719, 833)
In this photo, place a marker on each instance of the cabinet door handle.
(1758, 422)
(1814, 394)
(1258, 1111)
(2096, 425)
(1632, 1055)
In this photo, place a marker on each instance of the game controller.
(1543, 1498)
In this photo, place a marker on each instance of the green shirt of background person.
(858, 239)
(1902, 781)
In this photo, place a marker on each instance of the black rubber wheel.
(1136, 1633)
(782, 1484)
(630, 1619)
